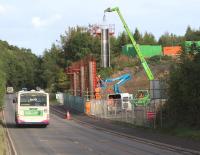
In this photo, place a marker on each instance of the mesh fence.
(137, 115)
(140, 112)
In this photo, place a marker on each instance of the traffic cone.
(68, 116)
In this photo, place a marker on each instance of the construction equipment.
(143, 99)
(120, 99)
(122, 79)
(137, 49)
(119, 102)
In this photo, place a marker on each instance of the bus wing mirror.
(14, 101)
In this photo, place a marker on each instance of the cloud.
(5, 8)
(37, 22)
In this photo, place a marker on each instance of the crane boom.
(137, 49)
(121, 80)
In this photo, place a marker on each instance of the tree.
(149, 39)
(184, 91)
(192, 35)
(138, 36)
(188, 32)
(78, 42)
(52, 69)
(170, 39)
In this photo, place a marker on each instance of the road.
(67, 137)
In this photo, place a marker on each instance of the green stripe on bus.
(33, 113)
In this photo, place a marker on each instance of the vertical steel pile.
(105, 47)
(83, 76)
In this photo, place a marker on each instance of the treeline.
(77, 42)
(21, 68)
(18, 68)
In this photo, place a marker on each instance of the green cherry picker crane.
(146, 99)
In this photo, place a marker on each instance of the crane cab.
(142, 98)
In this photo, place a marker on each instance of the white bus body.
(32, 107)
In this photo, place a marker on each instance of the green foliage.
(105, 72)
(2, 85)
(53, 75)
(121, 40)
(184, 91)
(138, 36)
(77, 43)
(170, 39)
(19, 67)
(192, 35)
(148, 39)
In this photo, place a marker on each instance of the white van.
(122, 101)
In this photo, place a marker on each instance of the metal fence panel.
(74, 102)
(139, 115)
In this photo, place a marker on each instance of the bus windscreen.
(33, 100)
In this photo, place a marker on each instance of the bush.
(2, 87)
(184, 91)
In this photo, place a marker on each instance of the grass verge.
(3, 146)
(183, 132)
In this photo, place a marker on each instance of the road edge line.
(12, 149)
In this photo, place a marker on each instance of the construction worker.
(99, 81)
(141, 95)
(110, 104)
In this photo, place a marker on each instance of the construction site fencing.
(74, 102)
(138, 115)
(150, 114)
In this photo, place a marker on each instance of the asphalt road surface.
(66, 137)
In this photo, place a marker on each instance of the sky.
(36, 24)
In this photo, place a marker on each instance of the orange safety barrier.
(172, 50)
(97, 93)
(87, 107)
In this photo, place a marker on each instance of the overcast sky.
(36, 24)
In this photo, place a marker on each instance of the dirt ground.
(139, 79)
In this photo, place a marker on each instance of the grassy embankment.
(3, 147)
(183, 132)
